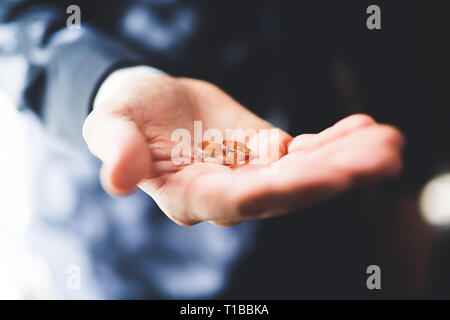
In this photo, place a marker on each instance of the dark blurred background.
(316, 64)
(399, 75)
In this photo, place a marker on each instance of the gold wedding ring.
(229, 152)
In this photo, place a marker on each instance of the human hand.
(130, 130)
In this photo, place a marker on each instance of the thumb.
(122, 148)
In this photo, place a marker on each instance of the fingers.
(379, 154)
(121, 147)
(372, 153)
(302, 142)
(343, 127)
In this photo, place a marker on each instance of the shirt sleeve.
(52, 69)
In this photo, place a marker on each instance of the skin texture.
(131, 133)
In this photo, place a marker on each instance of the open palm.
(131, 134)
